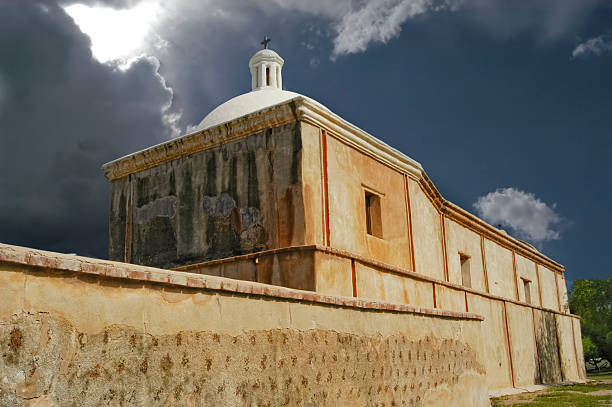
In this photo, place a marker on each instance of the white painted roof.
(246, 103)
(266, 91)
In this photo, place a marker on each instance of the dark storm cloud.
(62, 115)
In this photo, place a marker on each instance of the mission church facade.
(340, 273)
(273, 187)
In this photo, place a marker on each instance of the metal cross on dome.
(265, 42)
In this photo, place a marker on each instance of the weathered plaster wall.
(333, 275)
(494, 342)
(154, 338)
(548, 347)
(375, 283)
(523, 345)
(580, 364)
(549, 289)
(462, 240)
(351, 173)
(499, 270)
(526, 269)
(312, 184)
(241, 197)
(450, 298)
(427, 230)
(286, 268)
(562, 292)
(567, 349)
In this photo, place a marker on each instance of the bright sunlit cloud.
(115, 34)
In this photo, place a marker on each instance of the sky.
(506, 104)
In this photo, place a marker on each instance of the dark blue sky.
(484, 95)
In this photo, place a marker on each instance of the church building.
(275, 188)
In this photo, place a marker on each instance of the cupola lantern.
(266, 66)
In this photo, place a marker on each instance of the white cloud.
(115, 34)
(378, 21)
(593, 46)
(527, 216)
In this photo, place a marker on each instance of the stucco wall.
(350, 174)
(549, 289)
(499, 270)
(494, 342)
(459, 239)
(562, 292)
(312, 176)
(238, 198)
(523, 345)
(427, 231)
(72, 334)
(526, 269)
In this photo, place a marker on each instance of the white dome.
(265, 54)
(244, 104)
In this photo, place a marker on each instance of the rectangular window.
(527, 287)
(373, 214)
(466, 279)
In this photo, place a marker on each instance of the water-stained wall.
(241, 197)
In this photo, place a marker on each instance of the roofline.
(299, 108)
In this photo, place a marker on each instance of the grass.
(600, 376)
(576, 395)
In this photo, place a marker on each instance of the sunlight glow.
(115, 34)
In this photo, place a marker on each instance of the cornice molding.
(474, 223)
(242, 127)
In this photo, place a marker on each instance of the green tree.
(592, 300)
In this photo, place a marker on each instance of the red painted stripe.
(445, 258)
(354, 277)
(484, 263)
(539, 283)
(410, 223)
(578, 369)
(557, 287)
(434, 295)
(515, 276)
(509, 346)
(535, 344)
(467, 309)
(128, 238)
(325, 188)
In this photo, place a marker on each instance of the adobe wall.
(240, 197)
(80, 331)
(417, 261)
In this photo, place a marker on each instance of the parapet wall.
(82, 331)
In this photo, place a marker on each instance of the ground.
(595, 393)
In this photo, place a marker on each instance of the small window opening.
(267, 76)
(373, 214)
(466, 278)
(527, 288)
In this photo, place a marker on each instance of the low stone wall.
(80, 331)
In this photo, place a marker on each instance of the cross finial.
(265, 42)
